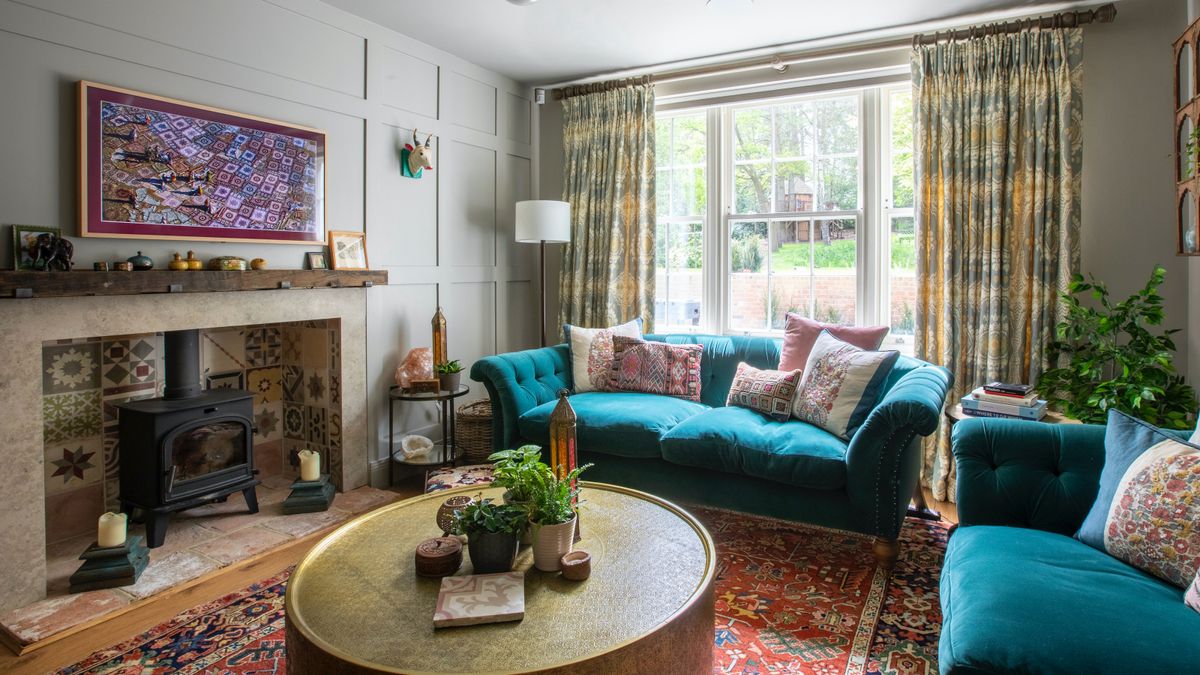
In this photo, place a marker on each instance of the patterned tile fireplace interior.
(292, 370)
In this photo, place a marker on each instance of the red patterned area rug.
(791, 598)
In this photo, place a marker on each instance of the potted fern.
(518, 471)
(492, 533)
(552, 513)
(1111, 359)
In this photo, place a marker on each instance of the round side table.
(442, 454)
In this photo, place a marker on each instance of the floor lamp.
(543, 221)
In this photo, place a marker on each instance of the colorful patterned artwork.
(152, 167)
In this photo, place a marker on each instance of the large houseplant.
(552, 512)
(492, 533)
(518, 471)
(1111, 359)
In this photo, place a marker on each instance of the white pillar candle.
(112, 530)
(310, 465)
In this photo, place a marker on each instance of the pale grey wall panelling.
(397, 320)
(468, 211)
(468, 102)
(519, 306)
(517, 185)
(402, 211)
(408, 83)
(517, 118)
(470, 309)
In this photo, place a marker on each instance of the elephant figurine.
(52, 252)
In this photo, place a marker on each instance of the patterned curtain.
(998, 158)
(608, 266)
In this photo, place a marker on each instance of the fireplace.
(188, 448)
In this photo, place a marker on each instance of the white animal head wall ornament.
(418, 156)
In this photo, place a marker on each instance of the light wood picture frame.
(152, 167)
(347, 250)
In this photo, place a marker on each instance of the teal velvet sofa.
(704, 452)
(1019, 594)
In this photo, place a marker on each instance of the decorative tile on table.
(268, 418)
(480, 598)
(316, 430)
(74, 415)
(265, 383)
(316, 386)
(222, 350)
(73, 464)
(294, 422)
(293, 384)
(314, 349)
(70, 367)
(233, 379)
(264, 346)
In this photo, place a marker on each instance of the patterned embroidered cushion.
(1192, 597)
(1146, 511)
(655, 368)
(769, 392)
(591, 352)
(841, 385)
(800, 334)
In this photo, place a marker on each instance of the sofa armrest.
(519, 381)
(884, 457)
(1027, 474)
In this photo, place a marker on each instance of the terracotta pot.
(551, 543)
(450, 380)
(492, 552)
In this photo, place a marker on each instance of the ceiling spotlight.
(522, 3)
(728, 7)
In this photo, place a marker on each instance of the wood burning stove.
(188, 448)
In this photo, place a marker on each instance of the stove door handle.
(171, 479)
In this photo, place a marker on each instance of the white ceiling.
(557, 40)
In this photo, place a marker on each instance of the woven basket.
(475, 431)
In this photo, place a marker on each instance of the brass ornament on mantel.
(1185, 135)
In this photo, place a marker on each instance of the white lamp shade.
(543, 220)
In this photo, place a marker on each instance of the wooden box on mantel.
(1187, 112)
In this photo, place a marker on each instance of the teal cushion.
(737, 440)
(626, 424)
(1016, 600)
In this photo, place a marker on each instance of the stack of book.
(1014, 401)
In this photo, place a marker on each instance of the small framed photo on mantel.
(347, 250)
(316, 260)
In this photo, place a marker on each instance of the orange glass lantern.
(439, 338)
(563, 458)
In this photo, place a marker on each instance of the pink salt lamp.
(418, 365)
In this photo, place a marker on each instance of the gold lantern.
(563, 458)
(439, 338)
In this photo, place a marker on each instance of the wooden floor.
(143, 617)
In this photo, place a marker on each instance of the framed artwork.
(316, 260)
(348, 250)
(156, 168)
(25, 240)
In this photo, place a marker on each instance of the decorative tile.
(291, 457)
(264, 346)
(335, 465)
(268, 418)
(234, 379)
(316, 430)
(292, 337)
(335, 388)
(265, 383)
(293, 384)
(335, 428)
(222, 350)
(73, 464)
(316, 386)
(70, 416)
(335, 350)
(71, 367)
(294, 422)
(314, 350)
(129, 361)
(70, 514)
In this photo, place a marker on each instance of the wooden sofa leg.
(886, 551)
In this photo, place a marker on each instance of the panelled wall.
(446, 238)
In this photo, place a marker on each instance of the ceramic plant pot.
(450, 380)
(492, 552)
(551, 543)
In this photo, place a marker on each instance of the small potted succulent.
(492, 534)
(518, 471)
(449, 374)
(552, 513)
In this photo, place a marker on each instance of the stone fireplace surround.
(26, 324)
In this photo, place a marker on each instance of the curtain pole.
(1102, 14)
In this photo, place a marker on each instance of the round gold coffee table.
(355, 604)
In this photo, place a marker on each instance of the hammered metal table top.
(356, 594)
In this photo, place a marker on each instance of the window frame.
(873, 215)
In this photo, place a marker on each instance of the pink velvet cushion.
(769, 392)
(800, 333)
(655, 368)
(1192, 597)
